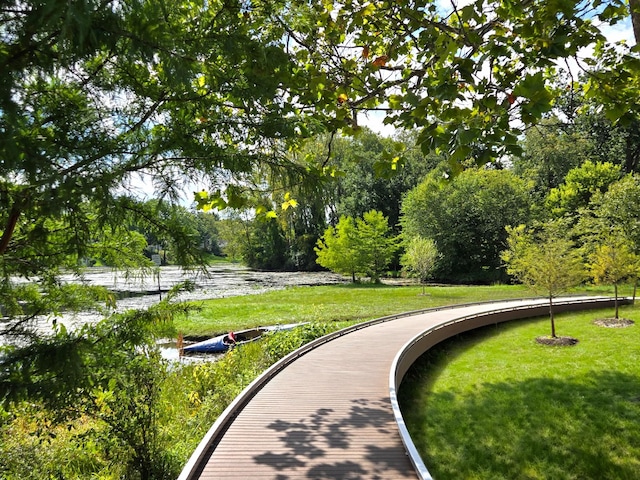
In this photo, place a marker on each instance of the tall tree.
(97, 98)
(96, 95)
(358, 247)
(549, 152)
(609, 141)
(376, 172)
(614, 211)
(618, 208)
(338, 250)
(267, 246)
(466, 216)
(580, 185)
(207, 225)
(375, 243)
(235, 234)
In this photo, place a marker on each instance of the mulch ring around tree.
(557, 341)
(613, 322)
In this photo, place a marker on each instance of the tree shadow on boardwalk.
(336, 446)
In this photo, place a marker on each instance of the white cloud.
(619, 31)
(374, 120)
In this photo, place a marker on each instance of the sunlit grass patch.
(494, 404)
(339, 303)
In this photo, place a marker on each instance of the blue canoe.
(222, 343)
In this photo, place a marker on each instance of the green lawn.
(494, 404)
(341, 303)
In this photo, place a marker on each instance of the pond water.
(220, 281)
(169, 351)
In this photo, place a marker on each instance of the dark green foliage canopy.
(466, 217)
(549, 152)
(376, 173)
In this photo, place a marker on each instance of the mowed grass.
(338, 303)
(494, 404)
(347, 303)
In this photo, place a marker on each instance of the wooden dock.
(328, 414)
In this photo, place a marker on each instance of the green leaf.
(461, 153)
(395, 102)
(530, 86)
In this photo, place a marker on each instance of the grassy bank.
(494, 404)
(340, 303)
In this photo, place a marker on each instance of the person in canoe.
(230, 339)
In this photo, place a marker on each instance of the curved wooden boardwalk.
(328, 414)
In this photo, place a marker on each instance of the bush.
(176, 405)
(281, 343)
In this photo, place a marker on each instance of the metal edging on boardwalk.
(194, 465)
(394, 382)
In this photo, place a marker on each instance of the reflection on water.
(220, 281)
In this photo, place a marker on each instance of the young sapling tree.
(546, 261)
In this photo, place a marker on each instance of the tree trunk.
(632, 147)
(12, 221)
(634, 8)
(635, 288)
(553, 323)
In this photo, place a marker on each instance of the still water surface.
(220, 281)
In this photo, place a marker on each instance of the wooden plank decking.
(328, 414)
